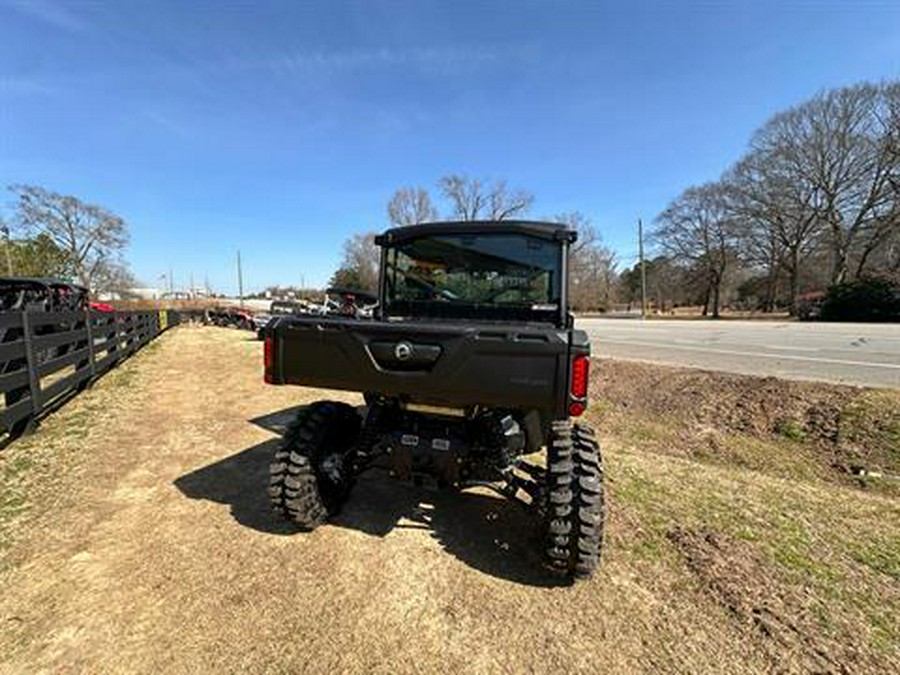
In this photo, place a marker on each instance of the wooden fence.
(46, 356)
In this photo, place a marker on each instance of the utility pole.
(643, 269)
(240, 280)
(191, 290)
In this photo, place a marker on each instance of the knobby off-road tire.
(574, 501)
(312, 471)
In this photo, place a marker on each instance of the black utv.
(469, 366)
(37, 296)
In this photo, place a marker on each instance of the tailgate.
(442, 364)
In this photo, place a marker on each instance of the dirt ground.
(834, 432)
(135, 536)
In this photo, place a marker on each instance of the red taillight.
(267, 358)
(580, 367)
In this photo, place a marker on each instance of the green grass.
(870, 430)
(836, 545)
(790, 429)
(881, 555)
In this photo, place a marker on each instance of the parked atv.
(470, 362)
(231, 317)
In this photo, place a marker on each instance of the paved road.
(860, 354)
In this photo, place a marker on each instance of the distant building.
(146, 293)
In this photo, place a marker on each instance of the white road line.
(801, 349)
(730, 352)
(728, 331)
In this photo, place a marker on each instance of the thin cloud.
(165, 122)
(49, 13)
(430, 59)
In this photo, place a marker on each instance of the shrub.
(866, 299)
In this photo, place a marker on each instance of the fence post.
(115, 338)
(90, 340)
(120, 335)
(34, 383)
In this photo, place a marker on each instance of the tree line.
(56, 235)
(813, 204)
(592, 274)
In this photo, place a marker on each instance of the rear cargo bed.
(437, 363)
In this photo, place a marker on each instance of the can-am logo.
(403, 351)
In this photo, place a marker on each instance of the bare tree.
(667, 284)
(113, 278)
(889, 117)
(582, 224)
(91, 236)
(758, 246)
(761, 248)
(410, 206)
(836, 144)
(771, 196)
(592, 266)
(359, 266)
(816, 199)
(466, 196)
(883, 230)
(697, 229)
(504, 204)
(473, 199)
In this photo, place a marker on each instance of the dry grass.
(138, 540)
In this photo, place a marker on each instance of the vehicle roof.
(545, 230)
(341, 290)
(38, 281)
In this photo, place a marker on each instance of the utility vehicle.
(231, 317)
(288, 307)
(469, 366)
(350, 302)
(37, 296)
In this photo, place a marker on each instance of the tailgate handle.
(404, 355)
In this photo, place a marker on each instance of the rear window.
(485, 275)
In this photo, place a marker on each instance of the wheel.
(311, 473)
(573, 506)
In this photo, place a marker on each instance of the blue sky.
(279, 128)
